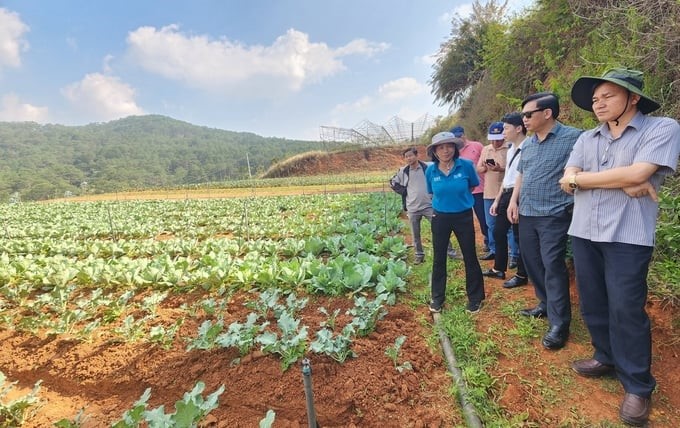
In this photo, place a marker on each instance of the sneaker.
(513, 263)
(473, 308)
(418, 260)
(488, 256)
(434, 308)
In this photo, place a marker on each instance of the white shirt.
(511, 170)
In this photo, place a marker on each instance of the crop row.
(78, 285)
(252, 218)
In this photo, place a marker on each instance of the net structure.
(395, 131)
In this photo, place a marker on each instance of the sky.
(275, 68)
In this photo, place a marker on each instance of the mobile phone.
(491, 162)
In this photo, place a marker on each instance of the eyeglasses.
(527, 114)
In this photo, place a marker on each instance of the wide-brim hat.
(632, 80)
(444, 138)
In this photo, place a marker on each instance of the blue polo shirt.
(452, 193)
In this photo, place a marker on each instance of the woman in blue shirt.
(450, 180)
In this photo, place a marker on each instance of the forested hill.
(46, 161)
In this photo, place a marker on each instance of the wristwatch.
(572, 182)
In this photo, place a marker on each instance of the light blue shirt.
(610, 215)
(452, 193)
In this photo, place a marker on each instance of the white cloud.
(13, 110)
(288, 64)
(401, 88)
(106, 63)
(404, 97)
(361, 105)
(103, 97)
(387, 94)
(12, 44)
(362, 47)
(428, 59)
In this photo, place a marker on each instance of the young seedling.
(394, 351)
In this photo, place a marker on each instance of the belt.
(508, 190)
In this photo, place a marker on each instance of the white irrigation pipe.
(469, 411)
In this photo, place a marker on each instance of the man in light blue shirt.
(614, 173)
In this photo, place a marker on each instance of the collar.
(636, 123)
(554, 131)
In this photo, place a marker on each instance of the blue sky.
(275, 68)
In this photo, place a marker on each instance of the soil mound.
(356, 160)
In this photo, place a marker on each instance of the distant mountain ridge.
(46, 161)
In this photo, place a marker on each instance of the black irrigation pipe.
(467, 407)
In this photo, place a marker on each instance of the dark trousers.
(500, 236)
(462, 226)
(612, 284)
(481, 215)
(543, 244)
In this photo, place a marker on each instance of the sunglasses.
(527, 114)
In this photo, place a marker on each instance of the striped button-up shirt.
(610, 215)
(542, 166)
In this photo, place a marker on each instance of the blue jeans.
(481, 217)
(612, 285)
(502, 235)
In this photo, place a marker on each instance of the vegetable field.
(171, 313)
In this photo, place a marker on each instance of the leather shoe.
(635, 409)
(513, 263)
(498, 274)
(592, 368)
(488, 256)
(537, 312)
(555, 338)
(515, 281)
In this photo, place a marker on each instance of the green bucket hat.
(582, 91)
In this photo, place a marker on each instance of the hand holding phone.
(491, 162)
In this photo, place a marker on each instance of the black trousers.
(543, 243)
(462, 226)
(612, 285)
(500, 235)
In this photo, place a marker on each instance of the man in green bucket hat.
(614, 173)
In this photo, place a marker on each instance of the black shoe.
(515, 281)
(513, 263)
(434, 308)
(498, 274)
(555, 338)
(473, 308)
(537, 312)
(488, 256)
